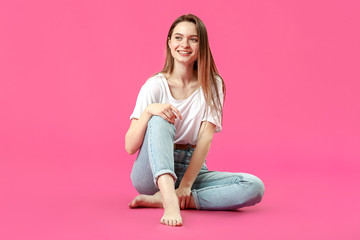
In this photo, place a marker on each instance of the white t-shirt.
(192, 109)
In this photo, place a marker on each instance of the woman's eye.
(178, 38)
(194, 39)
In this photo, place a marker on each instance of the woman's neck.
(183, 74)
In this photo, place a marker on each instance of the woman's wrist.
(147, 113)
(185, 185)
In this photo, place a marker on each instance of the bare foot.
(151, 201)
(171, 215)
(165, 198)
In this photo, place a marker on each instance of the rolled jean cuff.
(196, 200)
(158, 174)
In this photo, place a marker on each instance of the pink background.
(70, 72)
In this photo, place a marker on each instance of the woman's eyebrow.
(183, 35)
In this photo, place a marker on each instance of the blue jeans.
(212, 190)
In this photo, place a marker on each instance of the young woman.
(176, 114)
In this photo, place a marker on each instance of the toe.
(179, 222)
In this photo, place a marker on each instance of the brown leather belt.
(183, 146)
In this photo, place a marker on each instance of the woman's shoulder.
(154, 86)
(219, 79)
(219, 82)
(155, 81)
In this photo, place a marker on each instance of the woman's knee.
(160, 128)
(143, 187)
(257, 186)
(157, 121)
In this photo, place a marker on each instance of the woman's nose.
(185, 43)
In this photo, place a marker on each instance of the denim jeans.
(212, 190)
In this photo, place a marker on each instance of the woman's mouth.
(184, 53)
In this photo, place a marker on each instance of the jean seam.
(156, 175)
(151, 153)
(217, 186)
(217, 179)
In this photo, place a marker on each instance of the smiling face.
(184, 43)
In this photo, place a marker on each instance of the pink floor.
(60, 200)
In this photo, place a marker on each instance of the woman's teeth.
(182, 52)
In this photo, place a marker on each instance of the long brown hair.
(205, 65)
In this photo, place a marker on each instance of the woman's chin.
(185, 61)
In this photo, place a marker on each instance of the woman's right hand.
(164, 110)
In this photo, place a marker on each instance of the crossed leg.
(215, 191)
(154, 201)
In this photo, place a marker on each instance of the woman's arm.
(135, 135)
(205, 137)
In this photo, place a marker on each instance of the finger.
(176, 111)
(170, 115)
(179, 202)
(170, 112)
(187, 202)
(166, 118)
(182, 203)
(167, 114)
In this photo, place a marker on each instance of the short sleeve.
(149, 93)
(215, 117)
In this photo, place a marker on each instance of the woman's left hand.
(184, 194)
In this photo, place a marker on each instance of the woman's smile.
(184, 53)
